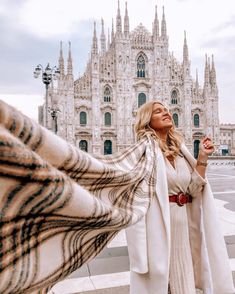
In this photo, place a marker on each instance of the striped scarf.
(59, 206)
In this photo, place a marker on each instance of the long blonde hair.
(170, 148)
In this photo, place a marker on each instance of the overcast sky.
(31, 30)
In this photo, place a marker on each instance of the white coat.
(149, 242)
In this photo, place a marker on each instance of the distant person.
(176, 248)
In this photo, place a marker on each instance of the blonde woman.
(166, 248)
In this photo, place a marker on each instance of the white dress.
(180, 179)
(152, 260)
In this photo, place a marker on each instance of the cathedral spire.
(94, 41)
(126, 22)
(156, 24)
(185, 50)
(102, 37)
(118, 21)
(108, 39)
(213, 74)
(197, 84)
(163, 26)
(206, 74)
(209, 69)
(70, 62)
(112, 33)
(61, 60)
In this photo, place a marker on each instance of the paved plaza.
(108, 273)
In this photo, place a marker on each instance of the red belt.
(181, 198)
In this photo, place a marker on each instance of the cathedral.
(97, 111)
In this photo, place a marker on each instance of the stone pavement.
(108, 273)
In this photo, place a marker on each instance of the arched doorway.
(83, 145)
(196, 148)
(107, 147)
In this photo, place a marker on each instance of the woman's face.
(161, 119)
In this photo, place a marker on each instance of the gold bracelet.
(202, 163)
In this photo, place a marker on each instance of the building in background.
(227, 139)
(127, 69)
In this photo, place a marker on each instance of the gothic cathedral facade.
(97, 111)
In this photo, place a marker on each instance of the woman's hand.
(206, 147)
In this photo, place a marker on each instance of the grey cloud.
(216, 40)
(224, 25)
(225, 45)
(21, 51)
(11, 6)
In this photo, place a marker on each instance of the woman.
(167, 247)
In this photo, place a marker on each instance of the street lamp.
(48, 74)
(54, 115)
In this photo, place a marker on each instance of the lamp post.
(48, 74)
(54, 115)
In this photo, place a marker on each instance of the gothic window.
(141, 99)
(196, 148)
(176, 119)
(141, 66)
(107, 119)
(174, 96)
(83, 118)
(107, 147)
(107, 94)
(196, 120)
(83, 145)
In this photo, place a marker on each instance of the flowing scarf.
(59, 206)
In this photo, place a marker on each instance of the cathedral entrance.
(107, 147)
(196, 142)
(83, 145)
(196, 148)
